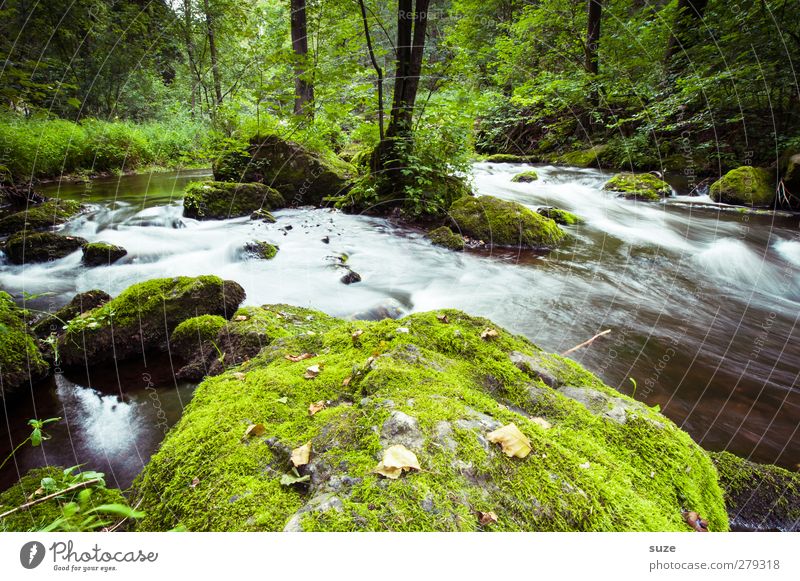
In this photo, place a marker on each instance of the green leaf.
(118, 510)
(36, 437)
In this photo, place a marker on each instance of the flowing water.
(702, 304)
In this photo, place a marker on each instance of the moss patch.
(20, 359)
(560, 216)
(29, 247)
(433, 383)
(46, 215)
(525, 177)
(585, 157)
(643, 186)
(102, 253)
(195, 332)
(507, 158)
(222, 200)
(261, 249)
(746, 186)
(501, 223)
(446, 238)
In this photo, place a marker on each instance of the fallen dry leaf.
(254, 430)
(316, 407)
(542, 422)
(357, 333)
(513, 441)
(487, 518)
(489, 333)
(312, 372)
(296, 358)
(396, 459)
(695, 521)
(239, 375)
(240, 318)
(301, 455)
(443, 319)
(195, 482)
(347, 381)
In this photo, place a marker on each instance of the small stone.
(351, 277)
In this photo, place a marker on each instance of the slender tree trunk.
(303, 88)
(684, 29)
(188, 29)
(592, 65)
(212, 49)
(375, 65)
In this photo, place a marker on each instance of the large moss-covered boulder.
(143, 316)
(80, 303)
(759, 497)
(222, 200)
(501, 223)
(439, 384)
(102, 253)
(642, 186)
(303, 176)
(592, 157)
(29, 247)
(525, 177)
(746, 186)
(39, 217)
(21, 361)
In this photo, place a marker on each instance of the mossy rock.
(222, 200)
(643, 186)
(501, 223)
(507, 158)
(591, 157)
(30, 247)
(46, 215)
(80, 303)
(143, 316)
(560, 216)
(446, 238)
(264, 216)
(102, 253)
(43, 514)
(745, 186)
(759, 497)
(21, 362)
(261, 249)
(195, 332)
(525, 177)
(437, 383)
(303, 176)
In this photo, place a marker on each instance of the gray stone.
(600, 404)
(444, 436)
(402, 429)
(532, 365)
(319, 503)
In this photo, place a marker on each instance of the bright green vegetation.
(592, 157)
(100, 253)
(560, 216)
(221, 200)
(20, 359)
(758, 497)
(638, 186)
(746, 185)
(39, 217)
(29, 247)
(80, 303)
(195, 331)
(525, 177)
(501, 223)
(143, 316)
(506, 158)
(432, 383)
(446, 238)
(261, 249)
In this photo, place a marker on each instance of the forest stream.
(702, 304)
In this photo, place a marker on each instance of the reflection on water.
(702, 304)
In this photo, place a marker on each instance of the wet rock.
(446, 238)
(403, 429)
(643, 186)
(21, 362)
(40, 217)
(261, 249)
(351, 277)
(263, 215)
(559, 216)
(525, 177)
(223, 200)
(79, 304)
(102, 253)
(28, 248)
(745, 186)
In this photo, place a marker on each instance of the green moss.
(45, 215)
(503, 223)
(445, 237)
(29, 247)
(20, 359)
(43, 514)
(643, 186)
(102, 253)
(507, 158)
(585, 157)
(197, 330)
(592, 470)
(80, 303)
(222, 200)
(525, 177)
(261, 249)
(560, 216)
(144, 315)
(746, 185)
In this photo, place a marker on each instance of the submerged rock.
(350, 277)
(39, 217)
(102, 253)
(261, 249)
(303, 176)
(223, 200)
(80, 303)
(446, 238)
(143, 316)
(643, 186)
(21, 362)
(355, 390)
(525, 177)
(29, 247)
(501, 223)
(746, 186)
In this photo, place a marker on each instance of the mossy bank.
(436, 383)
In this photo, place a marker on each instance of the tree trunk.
(212, 49)
(595, 13)
(375, 65)
(684, 30)
(303, 88)
(188, 30)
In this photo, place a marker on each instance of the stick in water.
(585, 343)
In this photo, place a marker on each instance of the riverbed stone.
(642, 186)
(745, 186)
(446, 238)
(261, 249)
(80, 303)
(340, 409)
(39, 217)
(502, 223)
(30, 247)
(21, 361)
(525, 177)
(222, 200)
(102, 253)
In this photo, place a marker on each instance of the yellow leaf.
(489, 333)
(296, 358)
(254, 430)
(316, 407)
(397, 459)
(443, 319)
(542, 422)
(347, 381)
(301, 455)
(487, 518)
(240, 318)
(513, 441)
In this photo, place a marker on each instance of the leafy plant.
(36, 437)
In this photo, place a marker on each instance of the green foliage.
(36, 437)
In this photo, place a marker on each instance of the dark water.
(702, 304)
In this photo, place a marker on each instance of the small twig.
(585, 343)
(120, 523)
(49, 496)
